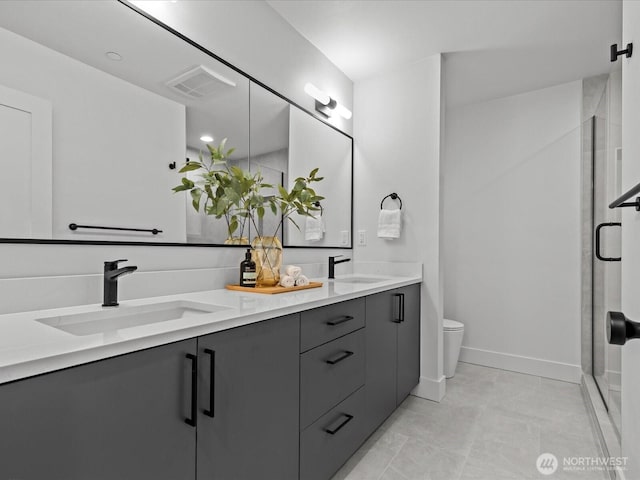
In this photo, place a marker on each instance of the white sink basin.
(116, 318)
(360, 279)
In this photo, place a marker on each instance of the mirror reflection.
(269, 125)
(103, 107)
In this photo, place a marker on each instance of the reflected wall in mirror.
(269, 126)
(118, 124)
(127, 99)
(311, 145)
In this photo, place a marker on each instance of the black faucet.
(111, 274)
(332, 264)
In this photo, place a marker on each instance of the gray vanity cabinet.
(286, 398)
(248, 402)
(393, 351)
(120, 418)
(134, 416)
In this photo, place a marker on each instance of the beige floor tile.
(447, 427)
(392, 474)
(419, 460)
(485, 469)
(374, 456)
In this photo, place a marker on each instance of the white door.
(631, 238)
(25, 165)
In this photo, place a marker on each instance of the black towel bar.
(620, 201)
(74, 226)
(393, 196)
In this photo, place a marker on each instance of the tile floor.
(491, 425)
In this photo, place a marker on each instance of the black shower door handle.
(620, 328)
(598, 255)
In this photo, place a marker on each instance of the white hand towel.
(293, 271)
(287, 281)
(314, 228)
(389, 224)
(302, 281)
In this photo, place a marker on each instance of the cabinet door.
(121, 418)
(408, 341)
(253, 432)
(381, 339)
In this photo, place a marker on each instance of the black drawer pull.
(344, 319)
(212, 384)
(342, 424)
(345, 355)
(194, 389)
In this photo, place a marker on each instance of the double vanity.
(207, 385)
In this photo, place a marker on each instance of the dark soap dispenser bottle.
(248, 271)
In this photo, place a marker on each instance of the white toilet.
(452, 339)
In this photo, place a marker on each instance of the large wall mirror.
(98, 104)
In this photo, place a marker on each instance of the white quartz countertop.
(30, 347)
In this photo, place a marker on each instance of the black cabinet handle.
(346, 318)
(194, 389)
(400, 316)
(342, 357)
(342, 424)
(211, 412)
(598, 255)
(620, 328)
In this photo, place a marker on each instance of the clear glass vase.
(267, 253)
(237, 241)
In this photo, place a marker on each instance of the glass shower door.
(606, 261)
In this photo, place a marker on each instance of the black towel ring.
(319, 205)
(394, 196)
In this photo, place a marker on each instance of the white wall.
(512, 230)
(256, 39)
(397, 149)
(284, 61)
(105, 131)
(630, 236)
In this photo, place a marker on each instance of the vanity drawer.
(329, 373)
(322, 453)
(323, 324)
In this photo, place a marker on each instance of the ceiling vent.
(200, 82)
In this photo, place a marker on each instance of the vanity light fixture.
(206, 138)
(325, 104)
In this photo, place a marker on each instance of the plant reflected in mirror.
(237, 195)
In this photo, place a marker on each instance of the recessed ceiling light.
(115, 56)
(206, 138)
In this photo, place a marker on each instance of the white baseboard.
(532, 366)
(430, 389)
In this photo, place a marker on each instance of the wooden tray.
(272, 290)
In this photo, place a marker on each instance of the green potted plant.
(223, 187)
(238, 196)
